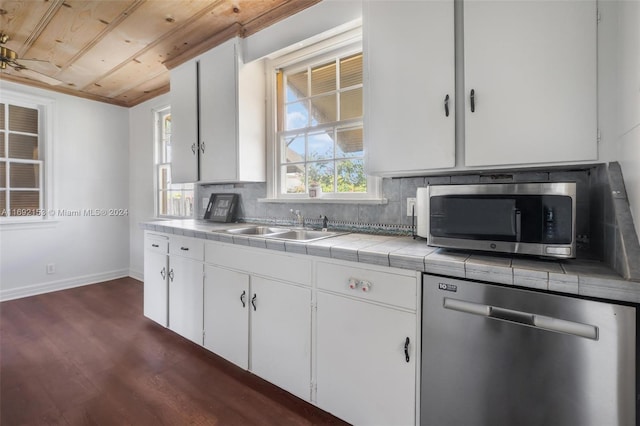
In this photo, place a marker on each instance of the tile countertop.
(578, 277)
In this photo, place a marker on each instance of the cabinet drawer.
(277, 265)
(156, 243)
(378, 286)
(191, 248)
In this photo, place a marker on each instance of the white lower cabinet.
(185, 298)
(366, 352)
(281, 335)
(342, 335)
(156, 290)
(186, 287)
(256, 317)
(226, 314)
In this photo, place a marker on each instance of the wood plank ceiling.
(120, 51)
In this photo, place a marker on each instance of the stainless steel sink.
(302, 235)
(256, 230)
(287, 234)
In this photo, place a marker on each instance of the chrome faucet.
(298, 219)
(325, 222)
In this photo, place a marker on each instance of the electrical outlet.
(51, 268)
(411, 205)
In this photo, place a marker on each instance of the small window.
(318, 113)
(172, 200)
(21, 161)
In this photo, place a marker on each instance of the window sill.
(324, 200)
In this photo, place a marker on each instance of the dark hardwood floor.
(87, 356)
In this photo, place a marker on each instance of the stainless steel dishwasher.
(497, 355)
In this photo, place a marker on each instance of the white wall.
(619, 93)
(305, 25)
(141, 173)
(90, 171)
(629, 105)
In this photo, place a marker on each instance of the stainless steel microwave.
(524, 218)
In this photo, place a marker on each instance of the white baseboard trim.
(35, 289)
(136, 275)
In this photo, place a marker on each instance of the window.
(24, 123)
(172, 200)
(318, 114)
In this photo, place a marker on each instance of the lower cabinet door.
(364, 373)
(281, 335)
(156, 292)
(185, 298)
(226, 314)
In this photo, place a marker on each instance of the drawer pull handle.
(155, 245)
(253, 301)
(171, 274)
(184, 248)
(242, 298)
(163, 273)
(406, 350)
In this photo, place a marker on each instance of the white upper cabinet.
(409, 86)
(184, 123)
(218, 118)
(532, 68)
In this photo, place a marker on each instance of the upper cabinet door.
(409, 86)
(219, 113)
(530, 73)
(184, 117)
(218, 107)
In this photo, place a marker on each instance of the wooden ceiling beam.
(208, 44)
(102, 34)
(158, 41)
(94, 65)
(42, 24)
(276, 14)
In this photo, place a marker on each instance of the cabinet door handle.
(163, 273)
(472, 98)
(155, 245)
(171, 274)
(446, 105)
(202, 146)
(184, 248)
(242, 298)
(406, 350)
(193, 148)
(253, 301)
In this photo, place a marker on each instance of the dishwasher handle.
(512, 316)
(542, 322)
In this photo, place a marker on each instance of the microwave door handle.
(516, 224)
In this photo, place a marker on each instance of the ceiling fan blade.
(34, 75)
(38, 65)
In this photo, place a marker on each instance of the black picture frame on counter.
(221, 208)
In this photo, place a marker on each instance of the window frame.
(333, 45)
(158, 116)
(46, 136)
